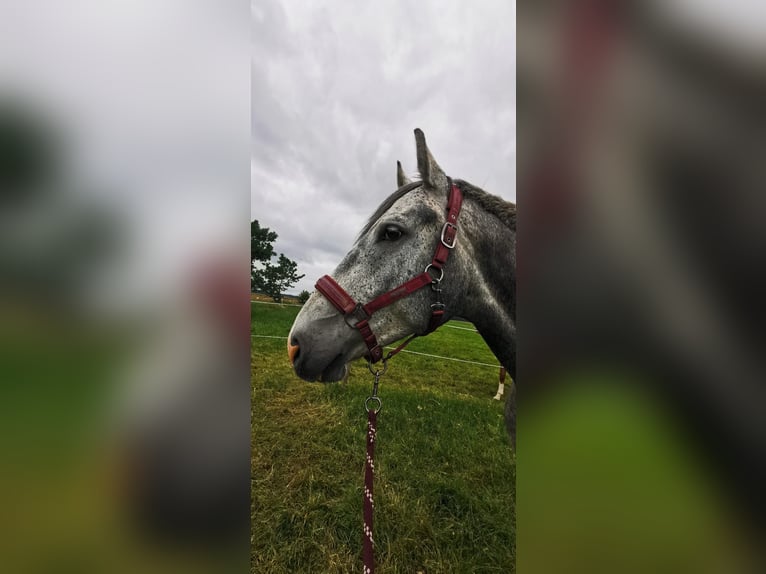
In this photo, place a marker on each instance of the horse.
(478, 283)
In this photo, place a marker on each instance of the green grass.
(610, 479)
(445, 471)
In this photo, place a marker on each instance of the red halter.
(358, 316)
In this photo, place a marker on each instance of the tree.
(261, 239)
(265, 276)
(303, 297)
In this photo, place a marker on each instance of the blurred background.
(124, 186)
(641, 427)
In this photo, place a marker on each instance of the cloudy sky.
(336, 94)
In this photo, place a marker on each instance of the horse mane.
(504, 210)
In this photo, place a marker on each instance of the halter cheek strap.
(358, 316)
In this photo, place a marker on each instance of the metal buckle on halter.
(358, 313)
(444, 230)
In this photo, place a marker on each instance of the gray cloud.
(336, 95)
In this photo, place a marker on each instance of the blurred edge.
(124, 195)
(642, 431)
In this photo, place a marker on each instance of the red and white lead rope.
(369, 475)
(372, 405)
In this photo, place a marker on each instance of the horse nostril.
(293, 349)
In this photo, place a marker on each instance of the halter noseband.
(358, 316)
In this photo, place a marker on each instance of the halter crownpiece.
(358, 316)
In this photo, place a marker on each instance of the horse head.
(396, 245)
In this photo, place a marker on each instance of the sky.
(336, 95)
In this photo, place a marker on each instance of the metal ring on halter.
(377, 372)
(367, 406)
(441, 273)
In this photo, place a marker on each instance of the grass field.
(445, 471)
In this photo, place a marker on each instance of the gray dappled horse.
(396, 244)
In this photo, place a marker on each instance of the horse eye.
(392, 233)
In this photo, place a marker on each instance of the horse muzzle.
(292, 350)
(316, 360)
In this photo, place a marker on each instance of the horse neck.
(486, 280)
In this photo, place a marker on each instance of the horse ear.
(401, 179)
(432, 174)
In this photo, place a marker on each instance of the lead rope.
(372, 405)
